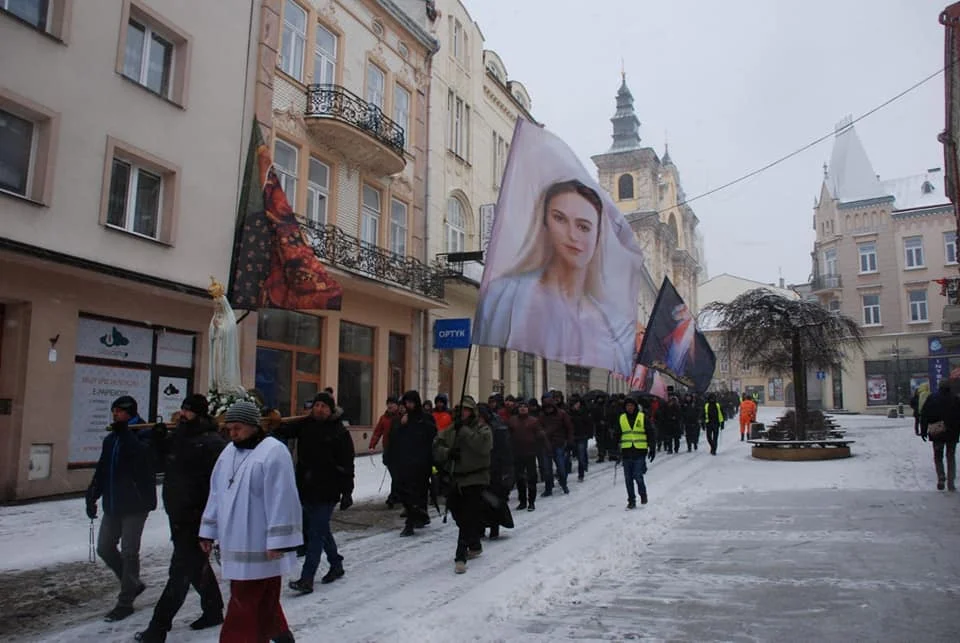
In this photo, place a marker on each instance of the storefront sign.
(175, 349)
(451, 333)
(939, 370)
(95, 388)
(101, 339)
(935, 346)
(170, 394)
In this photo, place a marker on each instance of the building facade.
(342, 94)
(881, 246)
(772, 389)
(122, 134)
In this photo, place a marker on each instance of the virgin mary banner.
(673, 345)
(563, 270)
(274, 264)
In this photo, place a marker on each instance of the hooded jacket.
(325, 458)
(582, 422)
(187, 456)
(124, 476)
(557, 426)
(474, 439)
(527, 435)
(411, 440)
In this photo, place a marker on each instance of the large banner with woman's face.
(563, 269)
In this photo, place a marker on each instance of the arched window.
(625, 187)
(456, 225)
(674, 229)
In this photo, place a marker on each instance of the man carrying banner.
(636, 438)
(713, 421)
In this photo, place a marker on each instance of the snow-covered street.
(729, 548)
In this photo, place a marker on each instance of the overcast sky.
(734, 85)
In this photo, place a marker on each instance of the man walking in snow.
(411, 449)
(254, 512)
(125, 479)
(188, 456)
(748, 415)
(528, 439)
(637, 438)
(713, 422)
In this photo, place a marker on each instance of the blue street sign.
(451, 333)
(821, 375)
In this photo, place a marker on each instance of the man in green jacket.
(463, 452)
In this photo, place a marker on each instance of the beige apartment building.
(342, 93)
(122, 133)
(881, 246)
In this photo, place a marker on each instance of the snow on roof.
(851, 176)
(918, 191)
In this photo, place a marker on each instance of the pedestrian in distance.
(254, 511)
(527, 439)
(748, 415)
(187, 456)
(940, 423)
(691, 415)
(636, 438)
(713, 422)
(559, 431)
(411, 445)
(501, 467)
(124, 478)
(382, 431)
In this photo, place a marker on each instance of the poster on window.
(170, 394)
(95, 388)
(102, 339)
(175, 349)
(876, 389)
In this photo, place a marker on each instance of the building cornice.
(418, 32)
(865, 203)
(927, 211)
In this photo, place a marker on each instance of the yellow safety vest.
(632, 437)
(706, 412)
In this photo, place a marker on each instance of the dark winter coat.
(582, 424)
(942, 406)
(325, 457)
(670, 421)
(124, 476)
(187, 456)
(690, 413)
(411, 445)
(557, 427)
(501, 458)
(526, 435)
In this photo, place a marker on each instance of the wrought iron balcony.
(826, 282)
(357, 128)
(337, 248)
(468, 271)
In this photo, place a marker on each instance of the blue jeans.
(633, 470)
(560, 456)
(582, 461)
(319, 539)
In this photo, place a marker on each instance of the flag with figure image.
(563, 270)
(274, 264)
(672, 344)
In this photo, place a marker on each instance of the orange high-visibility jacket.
(748, 411)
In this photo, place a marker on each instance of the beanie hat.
(125, 403)
(196, 403)
(412, 396)
(469, 403)
(327, 399)
(243, 412)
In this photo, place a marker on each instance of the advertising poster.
(876, 390)
(170, 394)
(109, 340)
(94, 390)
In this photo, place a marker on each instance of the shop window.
(526, 365)
(356, 373)
(445, 383)
(288, 359)
(398, 364)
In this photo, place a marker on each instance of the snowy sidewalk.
(730, 548)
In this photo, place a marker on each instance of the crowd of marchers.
(258, 499)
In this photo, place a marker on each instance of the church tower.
(647, 190)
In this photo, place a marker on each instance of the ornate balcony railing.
(471, 271)
(334, 101)
(336, 247)
(826, 282)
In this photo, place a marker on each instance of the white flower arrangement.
(220, 402)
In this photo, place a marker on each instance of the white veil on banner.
(563, 269)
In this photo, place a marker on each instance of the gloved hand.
(91, 509)
(346, 501)
(453, 455)
(160, 430)
(923, 437)
(651, 454)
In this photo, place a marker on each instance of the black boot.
(301, 587)
(643, 498)
(119, 613)
(407, 531)
(522, 505)
(211, 619)
(531, 506)
(335, 573)
(151, 635)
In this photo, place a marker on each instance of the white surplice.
(259, 511)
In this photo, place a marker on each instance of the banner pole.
(466, 375)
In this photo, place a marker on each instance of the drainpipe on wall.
(423, 316)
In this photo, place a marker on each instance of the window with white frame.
(398, 227)
(834, 306)
(913, 252)
(950, 247)
(868, 257)
(499, 159)
(31, 11)
(294, 40)
(918, 305)
(401, 109)
(830, 261)
(370, 218)
(285, 161)
(456, 225)
(148, 58)
(325, 57)
(134, 199)
(17, 141)
(376, 85)
(871, 310)
(318, 191)
(458, 119)
(459, 42)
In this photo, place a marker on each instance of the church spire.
(626, 125)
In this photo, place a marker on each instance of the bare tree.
(777, 334)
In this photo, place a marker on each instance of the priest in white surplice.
(254, 512)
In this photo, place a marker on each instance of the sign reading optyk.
(451, 333)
